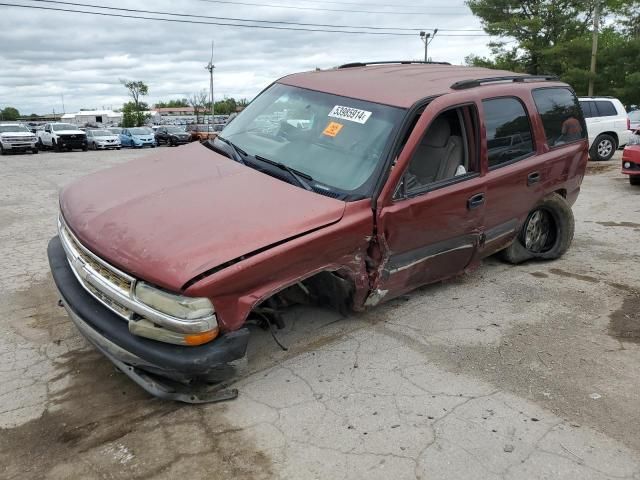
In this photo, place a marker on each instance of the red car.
(631, 159)
(347, 187)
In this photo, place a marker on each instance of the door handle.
(475, 201)
(533, 178)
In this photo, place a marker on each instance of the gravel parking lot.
(507, 372)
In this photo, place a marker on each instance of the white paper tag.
(351, 114)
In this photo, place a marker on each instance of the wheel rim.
(605, 148)
(539, 233)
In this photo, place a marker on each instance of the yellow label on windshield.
(332, 129)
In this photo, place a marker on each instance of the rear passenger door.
(514, 172)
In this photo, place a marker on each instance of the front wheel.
(2, 152)
(634, 179)
(603, 148)
(546, 233)
(34, 150)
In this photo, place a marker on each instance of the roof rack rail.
(463, 84)
(595, 96)
(390, 62)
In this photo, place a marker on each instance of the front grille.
(109, 274)
(19, 139)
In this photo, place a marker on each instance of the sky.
(50, 55)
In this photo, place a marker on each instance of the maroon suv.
(349, 187)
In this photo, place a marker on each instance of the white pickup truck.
(16, 138)
(62, 136)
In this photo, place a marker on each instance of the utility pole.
(211, 67)
(594, 45)
(63, 109)
(427, 38)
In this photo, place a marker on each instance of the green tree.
(176, 103)
(536, 26)
(9, 113)
(134, 115)
(135, 111)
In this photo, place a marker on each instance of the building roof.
(396, 84)
(174, 109)
(92, 113)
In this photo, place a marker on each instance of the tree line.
(554, 37)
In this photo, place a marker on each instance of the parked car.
(62, 136)
(103, 139)
(200, 132)
(16, 138)
(631, 158)
(161, 262)
(172, 136)
(607, 124)
(137, 137)
(634, 120)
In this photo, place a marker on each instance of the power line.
(376, 4)
(227, 24)
(320, 9)
(234, 19)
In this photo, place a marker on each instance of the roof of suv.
(399, 85)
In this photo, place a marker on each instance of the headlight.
(188, 308)
(634, 139)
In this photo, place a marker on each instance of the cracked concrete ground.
(508, 372)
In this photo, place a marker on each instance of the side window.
(508, 131)
(561, 115)
(605, 108)
(445, 153)
(588, 109)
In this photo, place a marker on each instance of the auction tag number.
(351, 114)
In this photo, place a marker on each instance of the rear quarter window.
(561, 115)
(605, 108)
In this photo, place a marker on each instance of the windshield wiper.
(300, 177)
(239, 153)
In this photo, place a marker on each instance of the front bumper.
(164, 370)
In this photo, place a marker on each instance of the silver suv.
(607, 125)
(16, 138)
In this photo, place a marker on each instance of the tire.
(118, 148)
(34, 151)
(634, 179)
(2, 152)
(552, 214)
(86, 147)
(55, 146)
(39, 144)
(603, 148)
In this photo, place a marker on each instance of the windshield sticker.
(351, 114)
(332, 129)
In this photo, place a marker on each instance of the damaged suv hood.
(169, 217)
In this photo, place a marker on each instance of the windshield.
(63, 126)
(13, 128)
(338, 141)
(634, 116)
(175, 130)
(101, 133)
(115, 130)
(140, 131)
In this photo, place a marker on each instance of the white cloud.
(48, 54)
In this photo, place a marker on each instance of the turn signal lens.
(200, 338)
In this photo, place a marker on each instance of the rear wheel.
(603, 148)
(634, 179)
(546, 234)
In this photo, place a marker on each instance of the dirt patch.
(619, 224)
(577, 276)
(539, 274)
(98, 416)
(625, 322)
(594, 168)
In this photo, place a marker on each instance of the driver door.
(430, 223)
